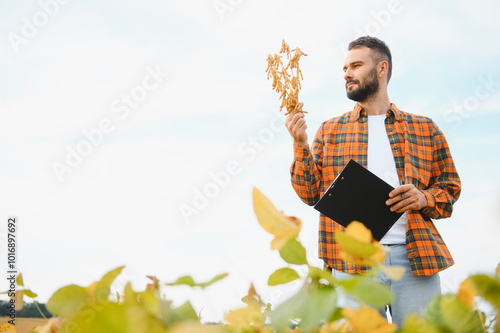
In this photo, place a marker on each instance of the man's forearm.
(440, 201)
(305, 176)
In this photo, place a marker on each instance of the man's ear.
(382, 68)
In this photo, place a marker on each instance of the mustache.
(353, 81)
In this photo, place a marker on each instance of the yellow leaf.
(19, 300)
(466, 293)
(415, 323)
(358, 230)
(379, 256)
(52, 326)
(358, 246)
(19, 280)
(333, 327)
(295, 330)
(273, 221)
(245, 318)
(278, 242)
(6, 327)
(366, 319)
(193, 327)
(91, 288)
(155, 285)
(355, 260)
(393, 272)
(252, 298)
(498, 271)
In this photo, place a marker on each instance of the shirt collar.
(393, 111)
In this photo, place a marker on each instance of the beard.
(364, 90)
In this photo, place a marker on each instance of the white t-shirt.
(381, 162)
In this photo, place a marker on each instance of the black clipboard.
(359, 195)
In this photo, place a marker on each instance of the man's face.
(360, 74)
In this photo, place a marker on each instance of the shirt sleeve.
(306, 169)
(444, 186)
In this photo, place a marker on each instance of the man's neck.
(377, 104)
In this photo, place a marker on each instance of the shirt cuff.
(431, 203)
(301, 153)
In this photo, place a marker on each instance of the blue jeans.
(413, 293)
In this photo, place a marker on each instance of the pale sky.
(169, 106)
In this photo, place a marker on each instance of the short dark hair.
(379, 49)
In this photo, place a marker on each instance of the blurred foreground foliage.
(313, 308)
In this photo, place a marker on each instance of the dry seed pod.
(286, 80)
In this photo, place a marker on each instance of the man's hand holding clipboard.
(359, 195)
(406, 197)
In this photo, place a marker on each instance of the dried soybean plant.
(286, 81)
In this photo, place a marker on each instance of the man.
(406, 150)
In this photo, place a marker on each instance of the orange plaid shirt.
(422, 158)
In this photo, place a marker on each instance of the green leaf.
(29, 293)
(144, 311)
(103, 286)
(367, 290)
(488, 288)
(19, 280)
(183, 313)
(336, 315)
(183, 280)
(312, 304)
(188, 281)
(110, 317)
(415, 324)
(293, 252)
(321, 274)
(289, 309)
(150, 302)
(213, 280)
(459, 318)
(67, 301)
(433, 313)
(282, 275)
(319, 306)
(267, 311)
(186, 312)
(449, 314)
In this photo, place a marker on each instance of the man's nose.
(347, 75)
